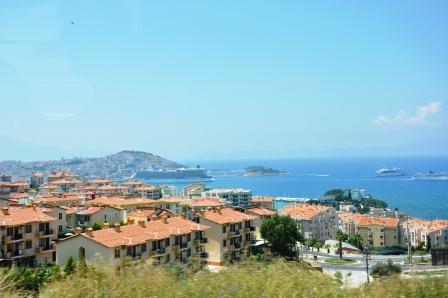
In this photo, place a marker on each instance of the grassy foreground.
(335, 261)
(253, 279)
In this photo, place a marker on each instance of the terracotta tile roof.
(116, 201)
(172, 200)
(226, 215)
(381, 221)
(23, 215)
(99, 180)
(261, 211)
(205, 202)
(154, 230)
(18, 195)
(108, 187)
(147, 213)
(54, 199)
(132, 182)
(89, 210)
(257, 199)
(303, 211)
(146, 188)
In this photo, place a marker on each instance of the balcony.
(204, 255)
(161, 251)
(175, 247)
(237, 232)
(183, 245)
(44, 233)
(12, 238)
(237, 245)
(45, 248)
(246, 230)
(252, 229)
(230, 234)
(231, 247)
(204, 240)
(196, 242)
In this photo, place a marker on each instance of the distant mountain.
(120, 165)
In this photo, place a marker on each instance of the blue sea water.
(312, 177)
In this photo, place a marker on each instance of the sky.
(223, 79)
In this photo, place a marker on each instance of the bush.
(282, 234)
(385, 269)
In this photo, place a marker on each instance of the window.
(117, 253)
(224, 243)
(188, 237)
(28, 228)
(224, 229)
(143, 247)
(28, 244)
(60, 228)
(154, 246)
(167, 242)
(60, 215)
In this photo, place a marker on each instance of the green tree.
(428, 244)
(355, 240)
(385, 269)
(281, 233)
(96, 226)
(70, 266)
(340, 236)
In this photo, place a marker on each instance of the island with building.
(262, 171)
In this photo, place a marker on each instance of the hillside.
(116, 166)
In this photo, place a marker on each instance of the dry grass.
(252, 279)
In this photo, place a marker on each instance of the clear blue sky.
(224, 79)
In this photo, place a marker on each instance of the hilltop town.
(115, 166)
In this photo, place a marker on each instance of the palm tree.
(340, 236)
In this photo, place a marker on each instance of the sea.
(311, 177)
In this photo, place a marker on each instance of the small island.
(262, 171)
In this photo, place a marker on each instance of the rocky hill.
(120, 165)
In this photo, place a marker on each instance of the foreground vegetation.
(276, 278)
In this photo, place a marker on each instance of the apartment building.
(316, 221)
(263, 202)
(7, 188)
(230, 236)
(167, 239)
(27, 235)
(261, 214)
(58, 175)
(89, 215)
(36, 180)
(378, 231)
(148, 192)
(194, 190)
(66, 199)
(426, 232)
(236, 197)
(98, 182)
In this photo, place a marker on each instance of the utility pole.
(409, 244)
(367, 259)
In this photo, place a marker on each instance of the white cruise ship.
(393, 172)
(431, 176)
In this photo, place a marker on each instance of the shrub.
(385, 269)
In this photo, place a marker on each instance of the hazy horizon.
(202, 80)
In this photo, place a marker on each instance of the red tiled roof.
(226, 215)
(23, 215)
(154, 230)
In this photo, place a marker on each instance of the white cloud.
(381, 120)
(58, 116)
(420, 117)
